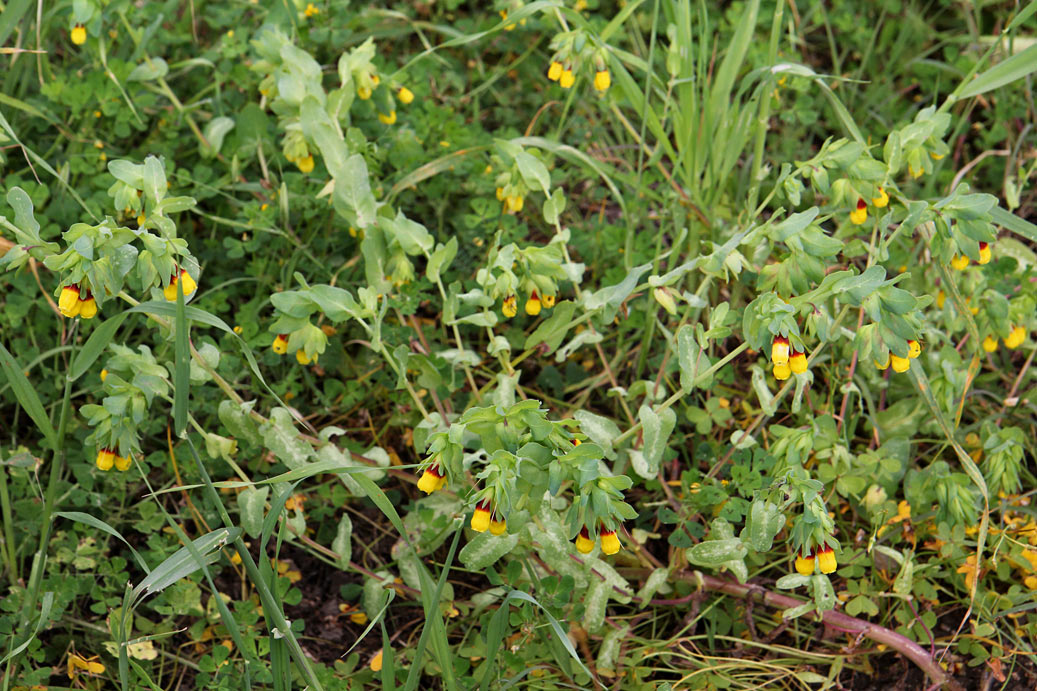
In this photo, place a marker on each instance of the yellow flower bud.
(554, 72)
(882, 200)
(510, 307)
(602, 80)
(959, 262)
(900, 364)
(405, 95)
(387, 119)
(305, 165)
(78, 35)
(567, 79)
(584, 544)
(860, 214)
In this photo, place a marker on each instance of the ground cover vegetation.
(655, 344)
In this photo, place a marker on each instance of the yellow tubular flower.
(882, 200)
(104, 375)
(305, 165)
(358, 618)
(804, 565)
(884, 364)
(548, 301)
(900, 364)
(782, 372)
(105, 459)
(68, 302)
(554, 72)
(567, 79)
(584, 544)
(959, 262)
(780, 350)
(280, 345)
(941, 297)
(431, 479)
(303, 359)
(515, 203)
(990, 344)
(602, 80)
(122, 464)
(500, 194)
(498, 526)
(533, 305)
(78, 34)
(914, 349)
(826, 560)
(481, 517)
(88, 308)
(984, 253)
(510, 307)
(860, 214)
(387, 119)
(609, 542)
(363, 92)
(798, 362)
(405, 95)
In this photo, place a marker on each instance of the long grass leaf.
(26, 396)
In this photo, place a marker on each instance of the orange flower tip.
(584, 544)
(860, 214)
(510, 307)
(984, 253)
(105, 459)
(610, 542)
(481, 517)
(431, 480)
(780, 350)
(805, 565)
(69, 302)
(533, 305)
(826, 560)
(88, 307)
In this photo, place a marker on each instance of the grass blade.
(182, 374)
(26, 396)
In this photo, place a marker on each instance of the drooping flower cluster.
(185, 280)
(610, 543)
(106, 458)
(76, 301)
(786, 359)
(901, 364)
(822, 560)
(488, 517)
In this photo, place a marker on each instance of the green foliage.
(662, 309)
